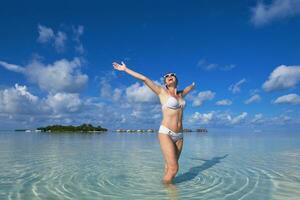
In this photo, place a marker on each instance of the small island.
(70, 128)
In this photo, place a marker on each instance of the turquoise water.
(130, 166)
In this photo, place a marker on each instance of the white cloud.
(224, 102)
(206, 66)
(217, 118)
(235, 88)
(140, 106)
(254, 98)
(253, 91)
(105, 88)
(64, 102)
(203, 64)
(47, 34)
(293, 99)
(12, 67)
(78, 32)
(204, 118)
(59, 38)
(264, 14)
(282, 77)
(238, 119)
(140, 93)
(17, 100)
(228, 67)
(117, 93)
(61, 76)
(20, 108)
(281, 120)
(258, 118)
(199, 99)
(59, 41)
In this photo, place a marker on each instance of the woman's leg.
(179, 145)
(169, 151)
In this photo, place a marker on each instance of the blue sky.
(55, 62)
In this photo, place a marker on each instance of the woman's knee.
(173, 169)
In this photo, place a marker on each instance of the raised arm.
(188, 89)
(154, 87)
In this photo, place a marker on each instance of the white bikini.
(172, 103)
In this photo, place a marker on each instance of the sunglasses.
(169, 75)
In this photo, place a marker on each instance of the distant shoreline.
(91, 129)
(84, 128)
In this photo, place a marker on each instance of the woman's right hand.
(119, 67)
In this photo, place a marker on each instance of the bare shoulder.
(163, 94)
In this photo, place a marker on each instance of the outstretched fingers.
(118, 66)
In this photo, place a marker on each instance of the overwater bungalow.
(187, 130)
(201, 130)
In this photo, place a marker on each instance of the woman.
(170, 132)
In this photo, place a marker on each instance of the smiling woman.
(171, 129)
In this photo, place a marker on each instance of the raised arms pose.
(170, 132)
(155, 88)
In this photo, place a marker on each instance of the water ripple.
(105, 170)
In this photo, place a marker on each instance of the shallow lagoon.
(130, 166)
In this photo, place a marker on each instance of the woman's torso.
(172, 110)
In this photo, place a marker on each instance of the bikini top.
(173, 103)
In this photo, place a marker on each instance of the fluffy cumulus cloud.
(17, 100)
(19, 108)
(62, 80)
(282, 77)
(264, 14)
(235, 88)
(141, 93)
(223, 119)
(61, 76)
(254, 98)
(293, 99)
(224, 102)
(217, 118)
(139, 106)
(202, 118)
(64, 102)
(201, 97)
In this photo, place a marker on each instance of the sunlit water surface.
(130, 166)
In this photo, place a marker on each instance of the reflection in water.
(172, 191)
(194, 171)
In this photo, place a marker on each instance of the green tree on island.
(70, 128)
